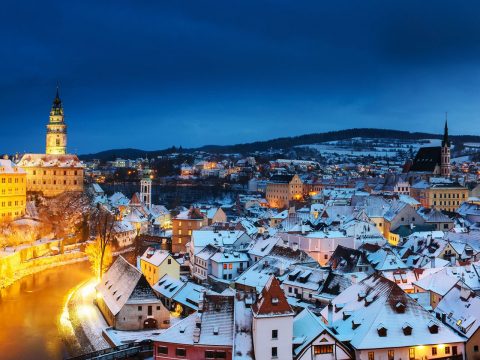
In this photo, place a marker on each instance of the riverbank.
(34, 266)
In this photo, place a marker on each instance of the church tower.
(56, 129)
(445, 167)
(146, 190)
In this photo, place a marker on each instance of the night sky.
(152, 74)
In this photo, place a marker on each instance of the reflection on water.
(30, 313)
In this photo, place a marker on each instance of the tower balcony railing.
(57, 131)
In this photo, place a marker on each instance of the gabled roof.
(272, 301)
(124, 283)
(306, 328)
(427, 159)
(135, 200)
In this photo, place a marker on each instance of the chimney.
(432, 265)
(330, 314)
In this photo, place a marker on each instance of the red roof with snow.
(272, 301)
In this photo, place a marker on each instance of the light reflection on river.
(30, 312)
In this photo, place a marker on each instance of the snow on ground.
(87, 315)
(381, 147)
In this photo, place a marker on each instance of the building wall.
(153, 273)
(338, 352)
(193, 352)
(263, 341)
(421, 352)
(473, 344)
(448, 199)
(132, 316)
(12, 195)
(182, 232)
(52, 181)
(279, 195)
(125, 238)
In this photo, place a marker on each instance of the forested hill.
(281, 143)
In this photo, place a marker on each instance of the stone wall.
(29, 260)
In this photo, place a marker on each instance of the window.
(323, 349)
(454, 350)
(224, 266)
(181, 352)
(169, 261)
(391, 354)
(150, 312)
(434, 350)
(447, 350)
(209, 354)
(371, 355)
(230, 266)
(411, 353)
(475, 348)
(274, 334)
(162, 350)
(220, 355)
(158, 307)
(274, 352)
(139, 308)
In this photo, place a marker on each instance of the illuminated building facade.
(55, 171)
(12, 190)
(281, 189)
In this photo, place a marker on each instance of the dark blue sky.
(152, 74)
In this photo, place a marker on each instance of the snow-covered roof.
(376, 313)
(8, 167)
(124, 283)
(51, 160)
(215, 324)
(155, 257)
(462, 309)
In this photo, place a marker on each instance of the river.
(30, 313)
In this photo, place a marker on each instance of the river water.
(30, 311)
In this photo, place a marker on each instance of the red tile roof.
(272, 301)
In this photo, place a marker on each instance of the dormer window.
(382, 330)
(400, 307)
(361, 295)
(346, 315)
(339, 307)
(274, 301)
(356, 324)
(433, 327)
(369, 299)
(407, 329)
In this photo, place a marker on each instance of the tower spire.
(445, 141)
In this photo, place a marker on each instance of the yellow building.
(55, 171)
(12, 190)
(154, 264)
(281, 189)
(447, 196)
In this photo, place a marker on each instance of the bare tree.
(99, 251)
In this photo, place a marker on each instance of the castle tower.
(56, 129)
(445, 167)
(146, 190)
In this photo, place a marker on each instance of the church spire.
(445, 141)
